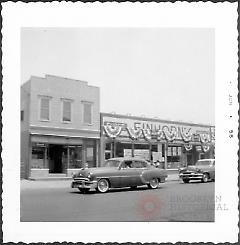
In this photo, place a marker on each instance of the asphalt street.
(173, 201)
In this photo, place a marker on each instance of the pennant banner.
(112, 131)
(134, 133)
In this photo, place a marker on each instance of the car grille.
(81, 179)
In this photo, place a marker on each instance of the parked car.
(119, 172)
(204, 170)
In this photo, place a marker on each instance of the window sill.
(66, 122)
(44, 120)
(88, 124)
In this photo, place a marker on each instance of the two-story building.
(60, 126)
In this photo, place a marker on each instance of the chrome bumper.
(191, 176)
(84, 184)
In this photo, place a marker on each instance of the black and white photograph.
(116, 125)
(110, 132)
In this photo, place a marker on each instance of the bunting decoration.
(147, 134)
(160, 135)
(170, 136)
(112, 131)
(188, 147)
(134, 133)
(205, 147)
(204, 138)
(212, 132)
(186, 135)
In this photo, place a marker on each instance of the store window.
(173, 157)
(90, 156)
(45, 108)
(66, 110)
(75, 157)
(87, 112)
(108, 152)
(37, 157)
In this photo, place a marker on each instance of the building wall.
(40, 133)
(62, 88)
(25, 107)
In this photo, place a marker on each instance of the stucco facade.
(59, 126)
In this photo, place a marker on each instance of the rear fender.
(146, 176)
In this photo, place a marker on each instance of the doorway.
(56, 158)
(189, 159)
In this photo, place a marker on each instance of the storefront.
(171, 144)
(56, 156)
(51, 155)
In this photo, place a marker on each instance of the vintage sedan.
(204, 170)
(117, 173)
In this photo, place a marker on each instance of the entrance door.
(189, 159)
(55, 158)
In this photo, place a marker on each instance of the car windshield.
(112, 163)
(205, 163)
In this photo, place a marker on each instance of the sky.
(153, 72)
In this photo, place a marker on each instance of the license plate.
(78, 184)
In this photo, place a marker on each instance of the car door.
(139, 167)
(127, 173)
(212, 170)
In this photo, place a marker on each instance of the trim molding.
(104, 114)
(93, 131)
(65, 136)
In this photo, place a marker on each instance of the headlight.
(89, 175)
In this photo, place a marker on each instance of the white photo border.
(165, 15)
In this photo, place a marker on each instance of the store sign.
(172, 131)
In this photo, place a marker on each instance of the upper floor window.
(66, 110)
(87, 112)
(45, 108)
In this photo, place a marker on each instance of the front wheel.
(153, 183)
(205, 178)
(102, 185)
(186, 181)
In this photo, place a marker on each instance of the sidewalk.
(172, 177)
(43, 184)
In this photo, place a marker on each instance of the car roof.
(127, 158)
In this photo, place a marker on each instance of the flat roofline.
(154, 119)
(61, 77)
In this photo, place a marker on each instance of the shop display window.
(37, 157)
(75, 157)
(90, 156)
(141, 146)
(173, 157)
(123, 149)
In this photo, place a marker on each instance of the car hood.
(194, 168)
(86, 171)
